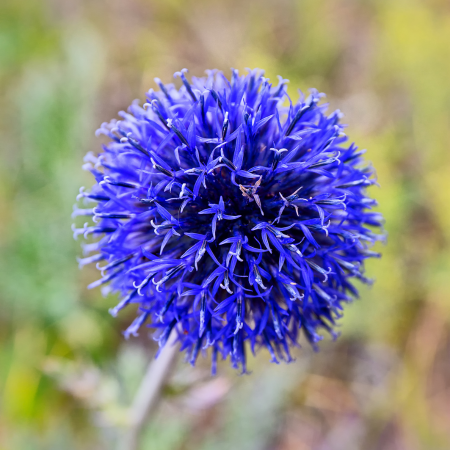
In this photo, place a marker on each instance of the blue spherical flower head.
(229, 218)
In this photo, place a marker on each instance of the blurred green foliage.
(66, 375)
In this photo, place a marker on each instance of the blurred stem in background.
(149, 393)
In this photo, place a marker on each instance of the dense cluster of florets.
(229, 215)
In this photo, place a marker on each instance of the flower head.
(228, 218)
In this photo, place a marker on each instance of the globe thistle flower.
(229, 218)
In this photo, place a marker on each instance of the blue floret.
(228, 218)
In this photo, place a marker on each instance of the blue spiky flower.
(230, 216)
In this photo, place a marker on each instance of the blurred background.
(67, 376)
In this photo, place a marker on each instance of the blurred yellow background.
(67, 377)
